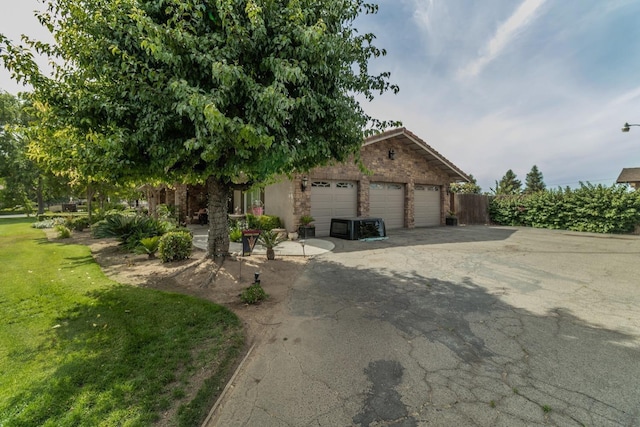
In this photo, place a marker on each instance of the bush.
(48, 223)
(77, 223)
(235, 234)
(253, 294)
(149, 246)
(268, 222)
(63, 232)
(591, 208)
(253, 223)
(175, 246)
(129, 230)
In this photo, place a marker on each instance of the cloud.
(523, 16)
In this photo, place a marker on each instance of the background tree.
(534, 181)
(470, 187)
(23, 180)
(509, 184)
(195, 90)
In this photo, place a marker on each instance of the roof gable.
(629, 175)
(402, 135)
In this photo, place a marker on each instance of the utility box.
(357, 228)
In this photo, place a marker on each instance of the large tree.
(208, 90)
(534, 181)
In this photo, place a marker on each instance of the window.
(322, 184)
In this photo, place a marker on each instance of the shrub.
(175, 246)
(268, 222)
(149, 246)
(77, 223)
(591, 208)
(253, 294)
(235, 234)
(63, 232)
(48, 223)
(129, 230)
(253, 223)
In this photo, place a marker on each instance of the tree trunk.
(40, 197)
(218, 244)
(90, 194)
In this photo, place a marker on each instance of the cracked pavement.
(464, 326)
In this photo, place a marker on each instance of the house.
(630, 176)
(407, 186)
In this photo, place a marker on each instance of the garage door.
(332, 199)
(386, 201)
(427, 205)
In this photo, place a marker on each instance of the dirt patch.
(201, 277)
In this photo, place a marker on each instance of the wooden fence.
(472, 209)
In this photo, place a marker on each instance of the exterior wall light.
(392, 154)
(303, 183)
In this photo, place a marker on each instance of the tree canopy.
(195, 90)
(534, 181)
(508, 184)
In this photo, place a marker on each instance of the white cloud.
(523, 16)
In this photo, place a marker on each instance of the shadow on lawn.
(124, 356)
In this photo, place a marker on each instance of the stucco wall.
(279, 201)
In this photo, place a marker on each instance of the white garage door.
(386, 201)
(332, 199)
(427, 205)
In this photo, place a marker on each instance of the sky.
(496, 84)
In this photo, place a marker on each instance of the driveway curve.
(465, 326)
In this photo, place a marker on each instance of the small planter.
(451, 221)
(306, 231)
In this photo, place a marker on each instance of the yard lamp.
(627, 126)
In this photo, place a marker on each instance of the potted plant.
(270, 239)
(451, 218)
(306, 229)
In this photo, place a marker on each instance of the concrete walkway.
(309, 247)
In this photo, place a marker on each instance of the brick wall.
(409, 167)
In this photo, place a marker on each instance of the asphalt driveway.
(461, 326)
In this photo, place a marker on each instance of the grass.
(77, 349)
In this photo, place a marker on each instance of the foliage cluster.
(175, 246)
(48, 222)
(149, 246)
(252, 222)
(129, 229)
(63, 231)
(270, 239)
(592, 208)
(253, 294)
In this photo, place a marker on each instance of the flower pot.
(306, 231)
(451, 221)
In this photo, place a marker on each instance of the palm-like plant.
(270, 240)
(149, 246)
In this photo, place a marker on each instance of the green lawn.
(77, 349)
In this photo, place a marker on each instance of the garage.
(386, 201)
(427, 205)
(332, 199)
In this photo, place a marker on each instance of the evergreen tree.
(534, 181)
(509, 184)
